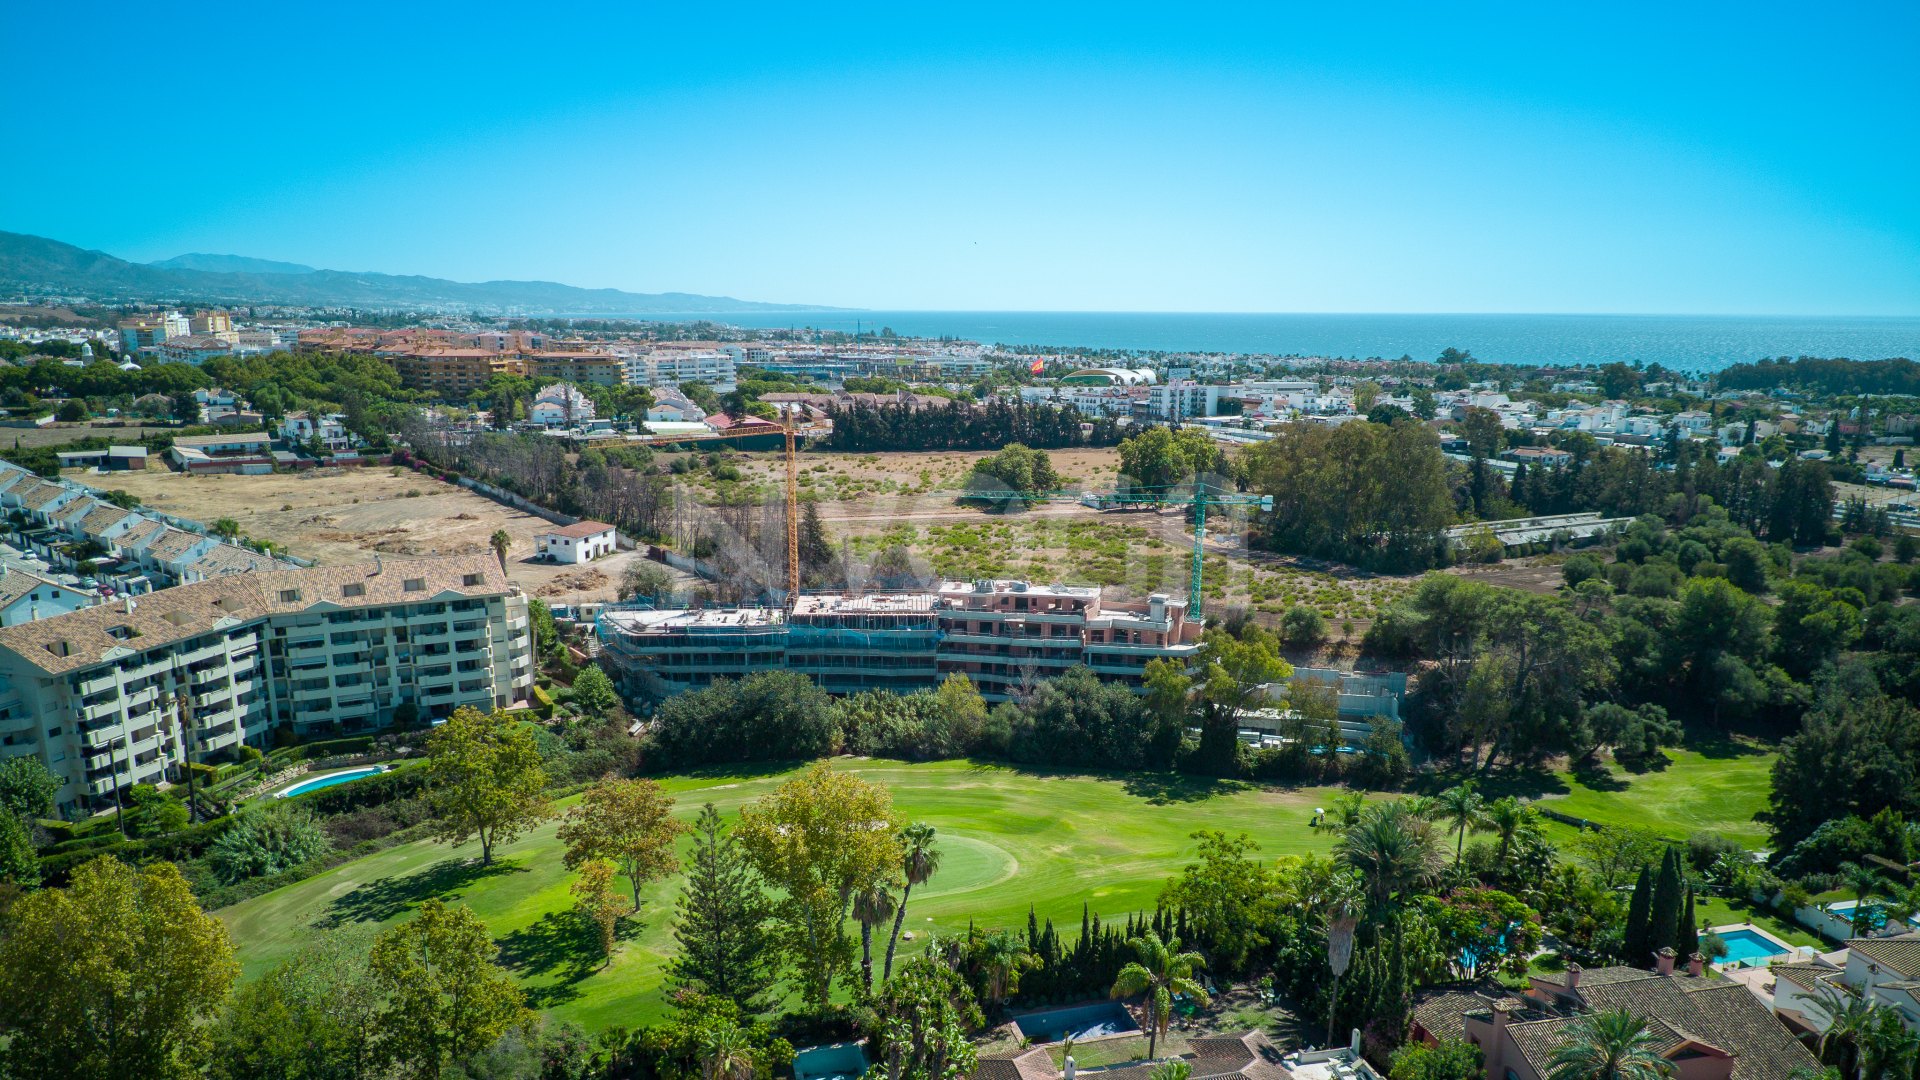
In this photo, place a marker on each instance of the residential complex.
(1004, 635)
(130, 691)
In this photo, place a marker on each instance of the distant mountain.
(229, 264)
(39, 266)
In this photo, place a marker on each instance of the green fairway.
(1010, 838)
(1711, 786)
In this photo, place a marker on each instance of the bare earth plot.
(62, 434)
(346, 515)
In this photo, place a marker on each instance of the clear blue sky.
(1741, 158)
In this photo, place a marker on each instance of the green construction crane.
(1198, 495)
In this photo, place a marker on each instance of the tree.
(1227, 898)
(726, 950)
(500, 541)
(27, 789)
(1345, 903)
(595, 900)
(1864, 883)
(1395, 853)
(311, 1018)
(160, 813)
(872, 906)
(628, 823)
(1171, 1069)
(113, 976)
(1013, 476)
(1233, 671)
(726, 1053)
(1483, 431)
(486, 778)
(923, 1018)
(1612, 1044)
(1637, 940)
(1160, 971)
(1452, 1059)
(1669, 898)
(1302, 627)
(821, 838)
(593, 692)
(919, 859)
(1002, 956)
(1614, 851)
(1462, 808)
(446, 998)
(644, 580)
(19, 862)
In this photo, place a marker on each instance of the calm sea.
(1683, 342)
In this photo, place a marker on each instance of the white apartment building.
(1183, 400)
(671, 367)
(128, 692)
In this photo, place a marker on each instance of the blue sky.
(1739, 158)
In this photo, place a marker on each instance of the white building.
(331, 429)
(560, 405)
(128, 692)
(672, 406)
(582, 541)
(671, 367)
(24, 598)
(1182, 400)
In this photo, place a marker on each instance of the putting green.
(1009, 839)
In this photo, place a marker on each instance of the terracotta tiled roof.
(174, 544)
(79, 639)
(579, 530)
(1900, 954)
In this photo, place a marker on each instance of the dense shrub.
(769, 716)
(267, 841)
(1302, 627)
(1077, 720)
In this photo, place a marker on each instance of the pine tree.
(726, 946)
(1637, 943)
(1666, 911)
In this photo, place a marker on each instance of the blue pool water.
(330, 779)
(1076, 1022)
(1746, 945)
(840, 1061)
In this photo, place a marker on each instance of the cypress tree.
(1637, 943)
(1690, 931)
(1667, 910)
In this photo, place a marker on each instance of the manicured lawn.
(1010, 838)
(1712, 786)
(1714, 911)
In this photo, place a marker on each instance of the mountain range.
(38, 266)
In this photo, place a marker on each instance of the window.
(415, 584)
(355, 589)
(471, 580)
(289, 596)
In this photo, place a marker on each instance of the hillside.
(39, 266)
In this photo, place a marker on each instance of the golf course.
(1008, 838)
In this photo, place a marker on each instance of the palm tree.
(726, 1054)
(1849, 1019)
(500, 542)
(1345, 902)
(1462, 808)
(1887, 1048)
(871, 907)
(1505, 818)
(918, 863)
(1003, 956)
(1609, 1045)
(1864, 883)
(1394, 851)
(1161, 971)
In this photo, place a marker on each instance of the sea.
(1691, 343)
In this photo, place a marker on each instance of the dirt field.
(344, 515)
(62, 434)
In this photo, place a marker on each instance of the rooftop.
(579, 530)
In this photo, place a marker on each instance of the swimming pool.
(331, 779)
(839, 1061)
(1746, 946)
(1076, 1022)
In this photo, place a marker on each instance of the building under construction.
(1006, 636)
